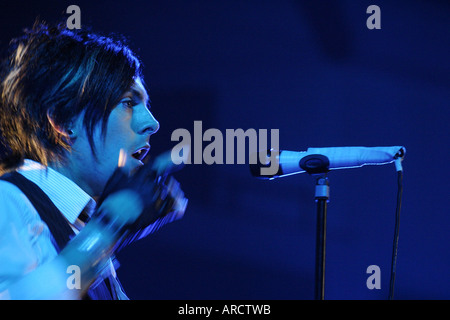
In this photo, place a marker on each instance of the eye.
(128, 103)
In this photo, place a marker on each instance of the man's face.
(129, 128)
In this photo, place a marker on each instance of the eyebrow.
(141, 95)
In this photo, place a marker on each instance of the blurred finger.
(122, 158)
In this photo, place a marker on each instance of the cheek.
(119, 135)
(108, 157)
(119, 128)
(114, 141)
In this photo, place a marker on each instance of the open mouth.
(141, 153)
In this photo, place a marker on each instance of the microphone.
(321, 160)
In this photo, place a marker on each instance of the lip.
(141, 152)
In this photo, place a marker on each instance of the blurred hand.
(140, 199)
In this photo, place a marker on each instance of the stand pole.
(318, 165)
(322, 194)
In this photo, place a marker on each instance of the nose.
(148, 124)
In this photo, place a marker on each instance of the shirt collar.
(65, 194)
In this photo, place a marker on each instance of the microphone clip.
(315, 164)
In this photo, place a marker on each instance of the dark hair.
(61, 72)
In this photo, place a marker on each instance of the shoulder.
(25, 240)
(17, 212)
(13, 202)
(20, 220)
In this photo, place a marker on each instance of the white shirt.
(26, 241)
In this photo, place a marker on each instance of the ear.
(67, 131)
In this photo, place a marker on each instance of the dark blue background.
(313, 70)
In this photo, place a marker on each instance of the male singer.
(75, 125)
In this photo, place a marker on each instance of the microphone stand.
(322, 194)
(318, 165)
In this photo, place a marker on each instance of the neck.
(73, 173)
